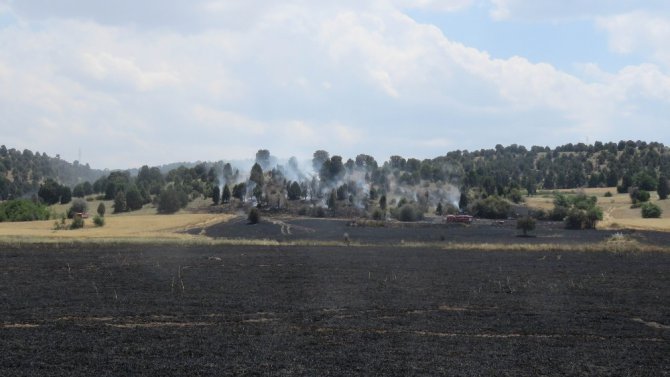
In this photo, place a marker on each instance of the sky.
(119, 84)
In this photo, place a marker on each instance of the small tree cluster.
(578, 211)
(492, 207)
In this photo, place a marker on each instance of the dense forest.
(22, 172)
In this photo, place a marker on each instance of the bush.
(319, 212)
(23, 210)
(77, 222)
(378, 214)
(526, 224)
(638, 196)
(78, 206)
(493, 207)
(575, 219)
(254, 216)
(99, 220)
(608, 194)
(583, 219)
(409, 213)
(558, 213)
(651, 210)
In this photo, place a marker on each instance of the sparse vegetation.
(650, 210)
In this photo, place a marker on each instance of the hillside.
(22, 172)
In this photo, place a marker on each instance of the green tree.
(134, 200)
(225, 197)
(382, 202)
(169, 201)
(645, 181)
(663, 188)
(332, 200)
(439, 210)
(294, 191)
(240, 191)
(120, 202)
(65, 195)
(256, 175)
(49, 192)
(525, 224)
(101, 209)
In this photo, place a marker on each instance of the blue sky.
(152, 82)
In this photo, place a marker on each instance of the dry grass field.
(616, 209)
(117, 227)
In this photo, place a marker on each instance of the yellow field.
(616, 209)
(125, 226)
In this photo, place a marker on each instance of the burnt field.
(390, 233)
(378, 310)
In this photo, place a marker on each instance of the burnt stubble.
(290, 310)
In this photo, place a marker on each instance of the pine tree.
(216, 195)
(663, 188)
(225, 197)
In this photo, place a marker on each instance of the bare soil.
(333, 311)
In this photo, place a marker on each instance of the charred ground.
(378, 310)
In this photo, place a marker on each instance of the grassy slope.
(144, 224)
(616, 209)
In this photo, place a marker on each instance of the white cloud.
(639, 32)
(294, 77)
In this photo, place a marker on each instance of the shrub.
(558, 213)
(254, 216)
(651, 210)
(409, 213)
(583, 219)
(575, 219)
(608, 194)
(526, 224)
(493, 207)
(638, 196)
(99, 220)
(378, 214)
(319, 212)
(77, 222)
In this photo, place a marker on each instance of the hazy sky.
(149, 82)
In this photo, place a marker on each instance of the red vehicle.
(467, 219)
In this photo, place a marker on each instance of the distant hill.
(22, 172)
